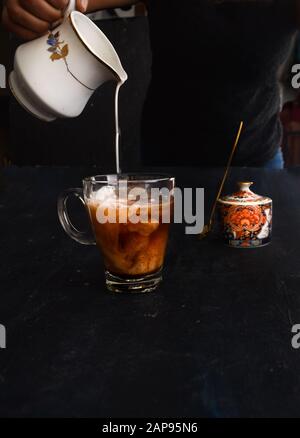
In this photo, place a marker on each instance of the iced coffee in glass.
(130, 217)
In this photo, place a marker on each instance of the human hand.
(30, 19)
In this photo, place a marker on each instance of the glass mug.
(130, 217)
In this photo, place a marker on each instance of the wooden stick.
(208, 227)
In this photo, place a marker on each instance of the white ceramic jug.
(56, 74)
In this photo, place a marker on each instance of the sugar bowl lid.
(244, 196)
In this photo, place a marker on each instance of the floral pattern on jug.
(246, 218)
(57, 52)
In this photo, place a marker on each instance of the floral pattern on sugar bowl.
(245, 218)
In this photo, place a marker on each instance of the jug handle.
(70, 8)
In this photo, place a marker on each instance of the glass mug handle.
(82, 237)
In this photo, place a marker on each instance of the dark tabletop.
(214, 340)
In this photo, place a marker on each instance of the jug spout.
(122, 76)
(98, 44)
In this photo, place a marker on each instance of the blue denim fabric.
(277, 162)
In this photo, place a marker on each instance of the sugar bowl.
(245, 218)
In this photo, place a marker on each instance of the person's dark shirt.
(215, 64)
